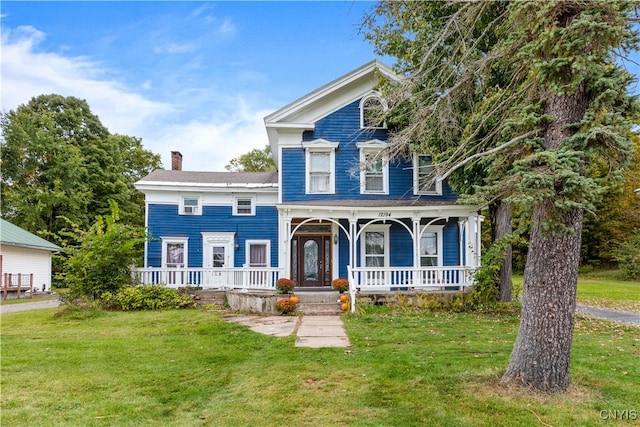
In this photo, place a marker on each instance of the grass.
(192, 368)
(602, 289)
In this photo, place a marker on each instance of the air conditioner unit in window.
(190, 210)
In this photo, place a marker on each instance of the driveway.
(32, 305)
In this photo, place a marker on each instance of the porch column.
(353, 229)
(462, 224)
(284, 237)
(471, 241)
(416, 241)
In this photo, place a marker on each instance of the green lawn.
(602, 289)
(192, 368)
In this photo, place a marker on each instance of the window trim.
(378, 97)
(439, 231)
(375, 228)
(249, 243)
(251, 198)
(175, 240)
(416, 178)
(182, 208)
(320, 146)
(373, 147)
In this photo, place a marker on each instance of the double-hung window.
(174, 252)
(258, 253)
(425, 180)
(375, 246)
(431, 246)
(244, 206)
(320, 166)
(374, 167)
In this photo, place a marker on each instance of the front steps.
(321, 303)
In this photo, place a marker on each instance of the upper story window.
(190, 206)
(244, 206)
(374, 167)
(371, 112)
(320, 166)
(425, 180)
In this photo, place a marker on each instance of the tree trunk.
(500, 214)
(542, 350)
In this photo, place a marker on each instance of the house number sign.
(384, 214)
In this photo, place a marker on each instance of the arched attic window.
(372, 108)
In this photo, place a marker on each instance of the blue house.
(337, 207)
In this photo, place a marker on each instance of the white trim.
(251, 198)
(438, 230)
(247, 257)
(376, 228)
(185, 209)
(211, 239)
(175, 240)
(320, 146)
(416, 184)
(378, 97)
(367, 148)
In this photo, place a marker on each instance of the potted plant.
(285, 306)
(284, 286)
(341, 285)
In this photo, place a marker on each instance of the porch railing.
(385, 279)
(209, 278)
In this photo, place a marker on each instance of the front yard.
(191, 368)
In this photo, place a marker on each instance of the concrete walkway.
(310, 331)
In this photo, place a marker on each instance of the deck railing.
(209, 278)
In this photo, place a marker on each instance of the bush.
(628, 257)
(341, 285)
(146, 297)
(285, 306)
(100, 261)
(284, 286)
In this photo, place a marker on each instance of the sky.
(196, 77)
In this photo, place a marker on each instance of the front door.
(311, 260)
(218, 259)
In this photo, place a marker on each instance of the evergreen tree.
(538, 132)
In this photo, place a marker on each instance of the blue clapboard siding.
(343, 126)
(165, 221)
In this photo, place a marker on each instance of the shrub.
(284, 286)
(285, 306)
(628, 257)
(341, 285)
(146, 297)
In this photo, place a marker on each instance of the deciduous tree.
(256, 160)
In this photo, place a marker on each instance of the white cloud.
(210, 144)
(27, 73)
(207, 143)
(173, 48)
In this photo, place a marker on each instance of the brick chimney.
(176, 161)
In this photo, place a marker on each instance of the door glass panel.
(310, 260)
(217, 256)
(327, 260)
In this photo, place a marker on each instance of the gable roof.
(15, 236)
(174, 178)
(302, 113)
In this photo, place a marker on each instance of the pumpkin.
(344, 298)
(344, 306)
(294, 299)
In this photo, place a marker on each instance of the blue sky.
(197, 77)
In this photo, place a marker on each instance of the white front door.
(218, 249)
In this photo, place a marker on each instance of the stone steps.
(321, 303)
